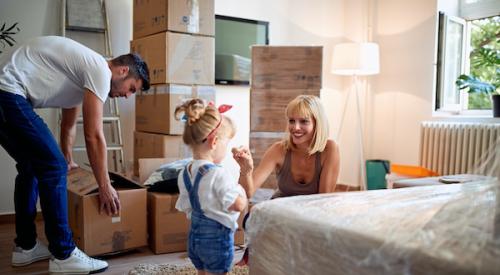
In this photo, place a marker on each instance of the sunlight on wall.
(394, 21)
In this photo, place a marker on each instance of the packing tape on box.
(193, 21)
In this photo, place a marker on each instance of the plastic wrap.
(447, 229)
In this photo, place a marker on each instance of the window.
(461, 40)
(484, 43)
(451, 61)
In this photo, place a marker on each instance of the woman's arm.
(251, 179)
(330, 169)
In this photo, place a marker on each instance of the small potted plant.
(484, 77)
(476, 85)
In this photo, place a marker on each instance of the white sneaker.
(21, 257)
(77, 263)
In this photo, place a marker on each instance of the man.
(58, 72)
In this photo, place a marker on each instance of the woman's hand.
(243, 157)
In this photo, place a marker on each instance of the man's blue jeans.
(42, 170)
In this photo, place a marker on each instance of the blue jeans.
(42, 171)
(210, 244)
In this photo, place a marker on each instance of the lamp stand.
(355, 59)
(360, 130)
(361, 147)
(343, 115)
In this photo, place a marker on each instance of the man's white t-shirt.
(217, 192)
(52, 71)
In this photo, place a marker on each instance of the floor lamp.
(355, 59)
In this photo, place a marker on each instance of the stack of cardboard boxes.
(279, 74)
(176, 39)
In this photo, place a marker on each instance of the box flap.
(120, 180)
(81, 181)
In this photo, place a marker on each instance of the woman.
(306, 161)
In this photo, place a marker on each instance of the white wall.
(403, 91)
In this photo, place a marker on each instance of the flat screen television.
(233, 39)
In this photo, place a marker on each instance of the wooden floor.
(118, 264)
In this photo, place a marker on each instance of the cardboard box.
(96, 233)
(154, 109)
(178, 58)
(286, 67)
(148, 145)
(169, 228)
(190, 16)
(259, 143)
(239, 235)
(267, 108)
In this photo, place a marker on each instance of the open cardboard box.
(97, 233)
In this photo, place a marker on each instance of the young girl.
(208, 195)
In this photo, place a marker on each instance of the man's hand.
(109, 201)
(72, 165)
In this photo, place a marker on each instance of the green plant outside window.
(484, 60)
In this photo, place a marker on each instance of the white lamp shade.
(355, 59)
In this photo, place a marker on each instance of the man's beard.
(114, 86)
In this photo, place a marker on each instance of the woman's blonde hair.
(309, 106)
(201, 121)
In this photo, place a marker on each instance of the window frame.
(442, 108)
(445, 22)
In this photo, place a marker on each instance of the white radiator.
(456, 148)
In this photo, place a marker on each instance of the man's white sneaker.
(21, 257)
(77, 263)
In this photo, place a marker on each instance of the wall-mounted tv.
(233, 38)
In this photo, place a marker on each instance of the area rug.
(171, 269)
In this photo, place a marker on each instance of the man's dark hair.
(137, 67)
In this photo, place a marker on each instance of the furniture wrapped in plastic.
(445, 229)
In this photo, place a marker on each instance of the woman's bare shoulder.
(331, 146)
(331, 149)
(278, 146)
(276, 151)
